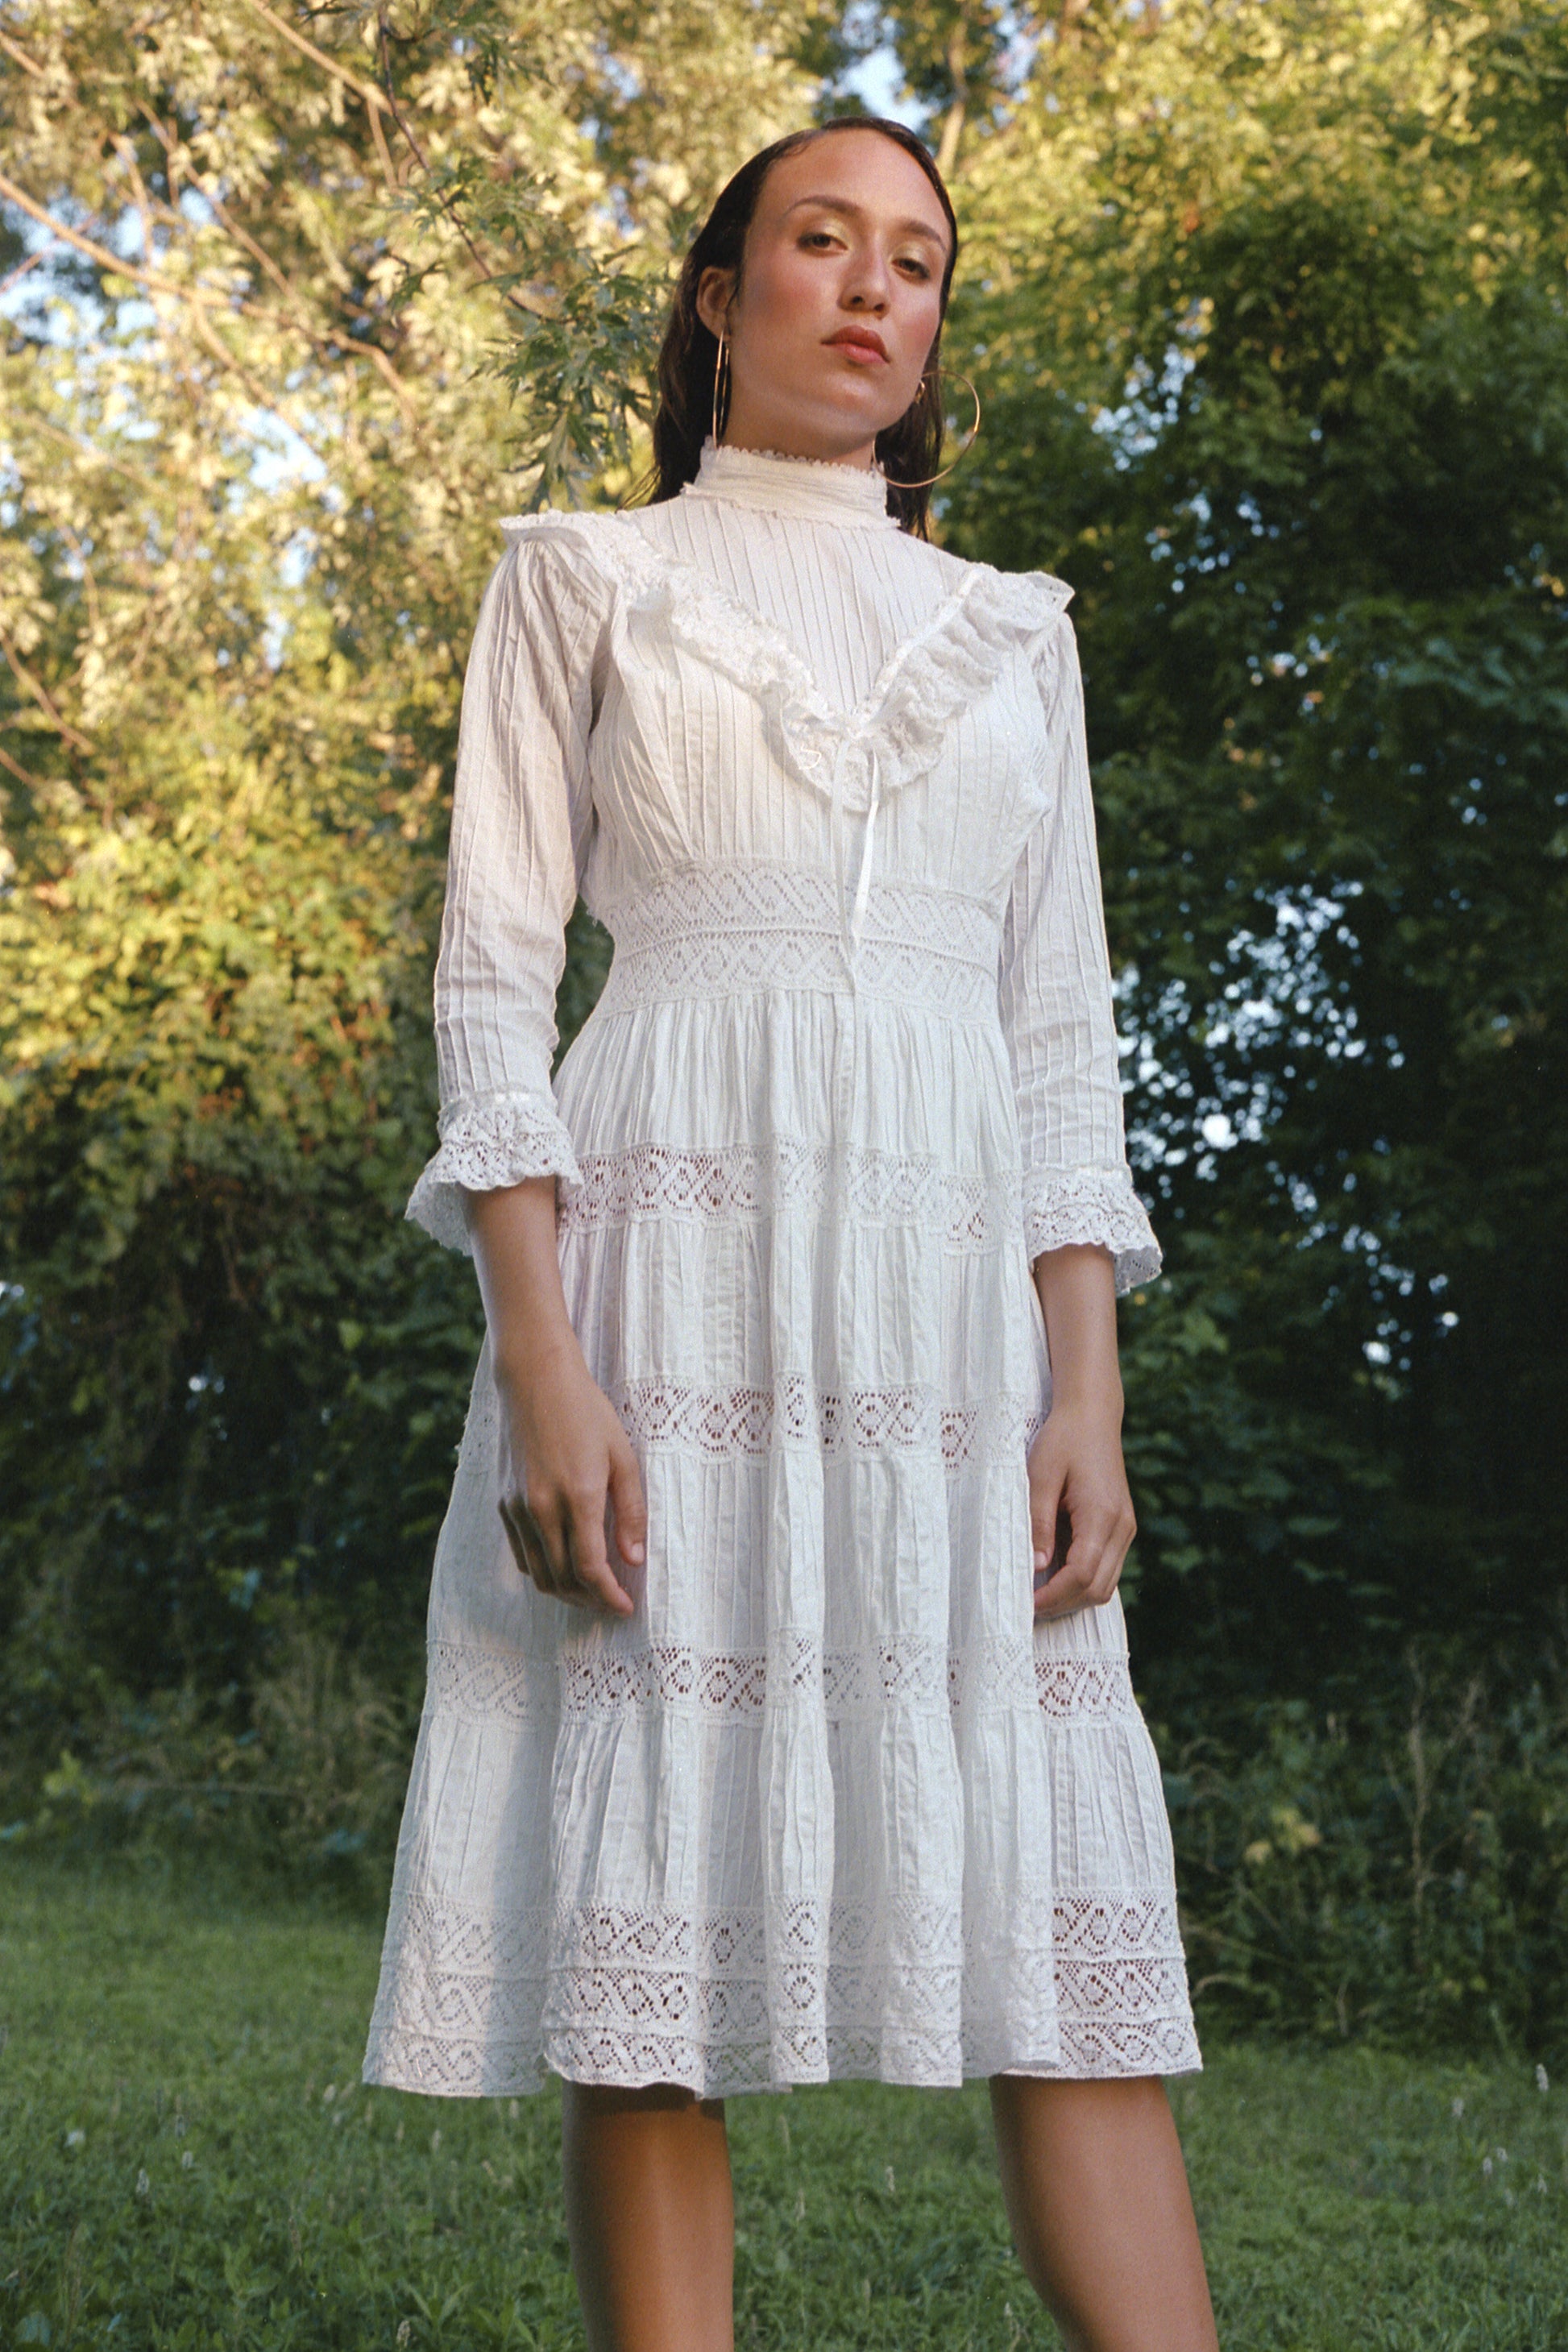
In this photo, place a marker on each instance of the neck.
(746, 427)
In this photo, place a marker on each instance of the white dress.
(831, 1803)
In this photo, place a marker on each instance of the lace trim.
(715, 929)
(900, 727)
(719, 458)
(736, 2000)
(868, 1187)
(720, 1423)
(606, 1679)
(488, 1141)
(1092, 1204)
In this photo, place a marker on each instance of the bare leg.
(1102, 2215)
(649, 2217)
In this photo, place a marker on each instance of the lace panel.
(727, 2002)
(871, 1188)
(719, 1424)
(716, 930)
(479, 1685)
(1092, 1204)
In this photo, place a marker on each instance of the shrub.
(1396, 1870)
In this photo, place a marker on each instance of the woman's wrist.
(1096, 1398)
(1077, 1290)
(524, 1361)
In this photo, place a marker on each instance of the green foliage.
(1268, 311)
(316, 302)
(183, 2142)
(1267, 308)
(297, 1780)
(1396, 1871)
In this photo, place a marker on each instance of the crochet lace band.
(715, 929)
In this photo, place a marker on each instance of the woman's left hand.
(1080, 1511)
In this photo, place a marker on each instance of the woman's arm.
(1086, 1231)
(521, 821)
(1058, 1008)
(1076, 1479)
(567, 1464)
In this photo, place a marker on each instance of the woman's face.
(839, 301)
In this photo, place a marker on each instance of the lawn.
(188, 2159)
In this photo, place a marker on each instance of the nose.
(868, 287)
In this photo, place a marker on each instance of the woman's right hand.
(567, 1469)
(567, 1463)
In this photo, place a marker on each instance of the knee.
(604, 2102)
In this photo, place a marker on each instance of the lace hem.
(601, 1677)
(1092, 1204)
(488, 1141)
(731, 2001)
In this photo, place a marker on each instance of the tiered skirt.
(831, 1803)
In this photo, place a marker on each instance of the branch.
(953, 123)
(528, 306)
(15, 277)
(201, 306)
(35, 784)
(95, 252)
(42, 696)
(369, 97)
(28, 64)
(320, 339)
(366, 92)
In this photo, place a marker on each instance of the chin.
(858, 419)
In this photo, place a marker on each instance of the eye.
(911, 262)
(820, 237)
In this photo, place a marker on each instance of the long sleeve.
(1058, 1010)
(521, 821)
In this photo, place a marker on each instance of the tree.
(301, 303)
(1270, 313)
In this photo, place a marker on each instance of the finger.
(1113, 1559)
(588, 1561)
(1070, 1587)
(1060, 1594)
(1046, 1516)
(521, 1537)
(629, 1503)
(545, 1546)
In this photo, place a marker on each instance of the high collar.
(815, 490)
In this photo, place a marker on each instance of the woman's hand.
(1080, 1511)
(567, 1468)
(580, 1474)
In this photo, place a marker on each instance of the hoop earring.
(894, 484)
(720, 374)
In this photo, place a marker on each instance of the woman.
(749, 1758)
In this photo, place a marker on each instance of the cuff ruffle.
(1092, 1204)
(488, 1141)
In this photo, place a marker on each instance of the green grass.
(232, 2186)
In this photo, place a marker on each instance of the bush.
(1396, 1871)
(301, 1781)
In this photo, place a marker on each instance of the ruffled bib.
(855, 759)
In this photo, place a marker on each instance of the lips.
(863, 341)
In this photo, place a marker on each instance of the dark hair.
(910, 447)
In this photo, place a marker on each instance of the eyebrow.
(857, 212)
